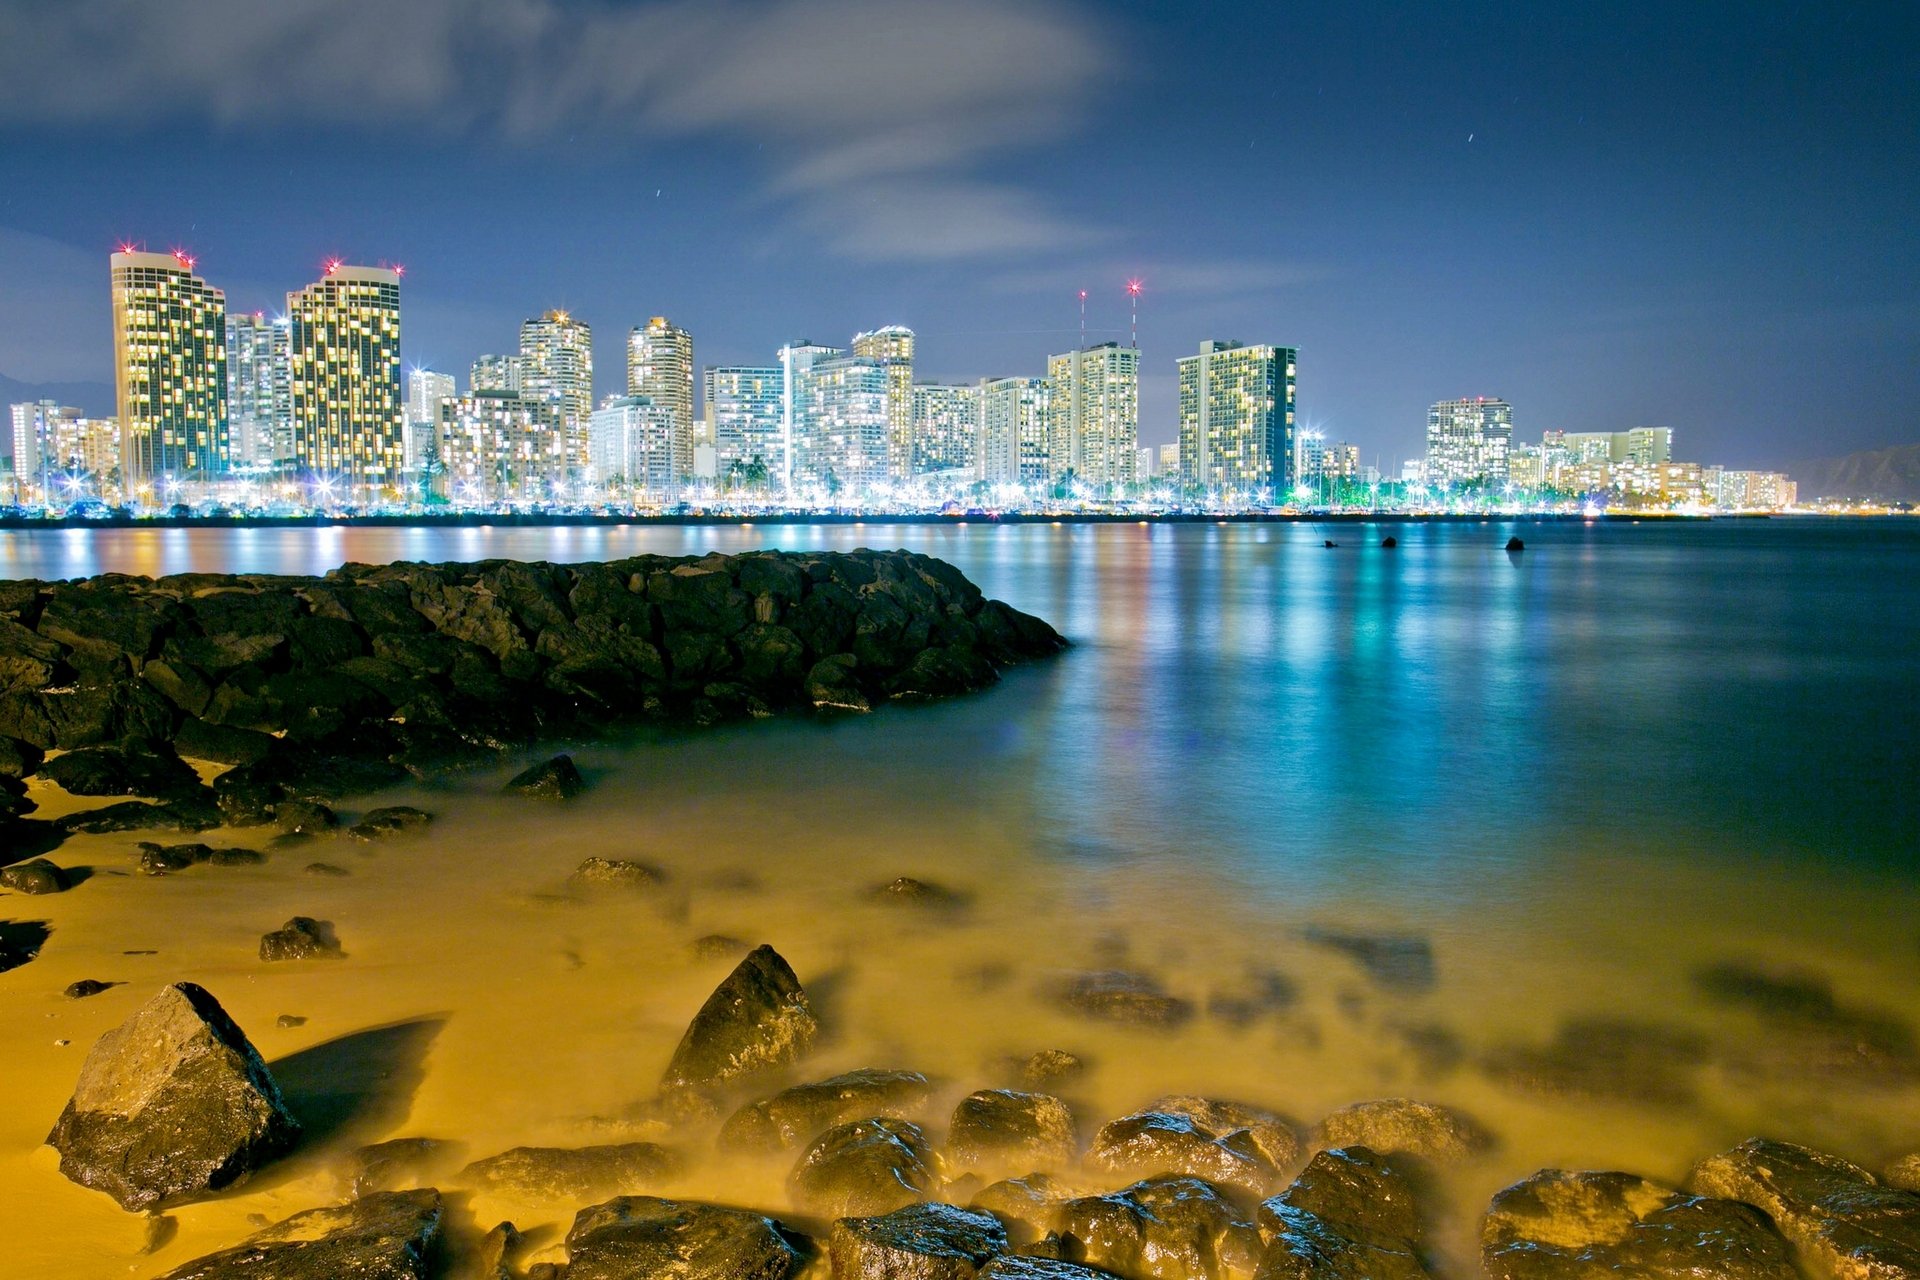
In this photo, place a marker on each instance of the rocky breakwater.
(313, 687)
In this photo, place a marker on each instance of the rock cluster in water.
(318, 687)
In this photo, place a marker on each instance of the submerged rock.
(998, 1131)
(304, 817)
(641, 1236)
(619, 873)
(160, 859)
(906, 891)
(1846, 1223)
(1606, 1058)
(1051, 1067)
(1558, 1225)
(555, 779)
(301, 938)
(1401, 1126)
(1161, 1229)
(798, 1115)
(1400, 962)
(397, 1164)
(919, 1242)
(1348, 1214)
(574, 1173)
(1807, 1030)
(171, 1104)
(393, 820)
(757, 1018)
(35, 877)
(88, 987)
(390, 1235)
(867, 1167)
(1130, 998)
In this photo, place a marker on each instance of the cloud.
(875, 110)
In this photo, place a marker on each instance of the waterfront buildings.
(1093, 415)
(499, 446)
(556, 365)
(496, 373)
(744, 409)
(259, 390)
(835, 418)
(660, 367)
(1468, 441)
(1012, 447)
(426, 392)
(169, 369)
(1236, 417)
(946, 430)
(892, 348)
(344, 376)
(31, 449)
(641, 449)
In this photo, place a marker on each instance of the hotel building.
(344, 375)
(169, 368)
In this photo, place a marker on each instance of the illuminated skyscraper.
(259, 401)
(834, 411)
(946, 429)
(169, 368)
(556, 365)
(1236, 417)
(1013, 431)
(642, 448)
(1093, 414)
(426, 392)
(495, 373)
(892, 348)
(345, 375)
(33, 450)
(1468, 440)
(495, 445)
(744, 420)
(660, 367)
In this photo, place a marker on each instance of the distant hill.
(1884, 475)
(95, 399)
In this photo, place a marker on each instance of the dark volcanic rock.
(796, 1116)
(618, 873)
(907, 891)
(1156, 1142)
(196, 739)
(1402, 1126)
(869, 1166)
(919, 1242)
(1130, 998)
(1027, 1207)
(138, 815)
(832, 685)
(1051, 1066)
(37, 876)
(160, 859)
(1846, 1223)
(88, 987)
(1015, 1267)
(998, 1131)
(304, 817)
(575, 1173)
(141, 770)
(1558, 1225)
(20, 941)
(555, 779)
(757, 1018)
(1349, 1213)
(397, 1164)
(171, 1104)
(18, 759)
(632, 1237)
(1273, 1135)
(390, 1235)
(301, 938)
(393, 820)
(1160, 1229)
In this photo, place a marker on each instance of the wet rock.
(796, 1116)
(391, 1235)
(1275, 1136)
(325, 869)
(161, 859)
(867, 1167)
(1051, 1067)
(1154, 1143)
(34, 877)
(1606, 1058)
(196, 739)
(907, 891)
(13, 801)
(1029, 1207)
(574, 1173)
(1846, 1223)
(757, 1018)
(555, 779)
(18, 759)
(397, 1164)
(171, 1104)
(88, 987)
(1394, 961)
(618, 873)
(1401, 1126)
(122, 771)
(1017, 1267)
(20, 941)
(919, 1242)
(301, 938)
(831, 685)
(287, 1021)
(998, 1131)
(1904, 1173)
(304, 817)
(642, 1236)
(1129, 998)
(1348, 1214)
(1160, 1229)
(497, 1251)
(138, 815)
(1558, 1225)
(393, 820)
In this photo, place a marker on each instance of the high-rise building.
(169, 368)
(1013, 432)
(33, 445)
(556, 365)
(744, 408)
(1468, 440)
(843, 408)
(344, 359)
(1236, 417)
(426, 392)
(642, 448)
(259, 400)
(1645, 446)
(660, 367)
(946, 429)
(892, 347)
(496, 373)
(496, 445)
(1094, 414)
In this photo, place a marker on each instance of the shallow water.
(1582, 773)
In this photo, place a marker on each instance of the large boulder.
(1348, 1215)
(1160, 1229)
(800, 1114)
(919, 1242)
(555, 779)
(756, 1019)
(389, 1235)
(634, 1237)
(1846, 1223)
(1559, 1225)
(134, 770)
(999, 1131)
(1155, 1143)
(172, 1104)
(35, 876)
(1132, 999)
(574, 1173)
(867, 1167)
(1401, 1126)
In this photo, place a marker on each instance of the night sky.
(1700, 215)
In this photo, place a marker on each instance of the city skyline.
(1605, 222)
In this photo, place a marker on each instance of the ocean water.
(1589, 781)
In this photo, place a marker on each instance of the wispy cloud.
(878, 111)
